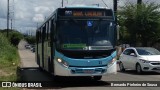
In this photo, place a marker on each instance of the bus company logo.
(100, 62)
(6, 84)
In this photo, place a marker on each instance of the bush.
(9, 60)
(7, 51)
(15, 37)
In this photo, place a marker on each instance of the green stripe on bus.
(74, 45)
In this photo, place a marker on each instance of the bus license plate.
(88, 71)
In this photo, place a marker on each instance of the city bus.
(78, 41)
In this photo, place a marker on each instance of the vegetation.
(14, 36)
(30, 39)
(139, 24)
(9, 60)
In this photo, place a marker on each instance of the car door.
(132, 59)
(124, 58)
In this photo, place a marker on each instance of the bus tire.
(97, 78)
(57, 78)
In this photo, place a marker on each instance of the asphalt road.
(29, 71)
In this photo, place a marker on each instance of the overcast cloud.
(28, 13)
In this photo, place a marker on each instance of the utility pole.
(115, 10)
(62, 3)
(11, 14)
(37, 25)
(8, 18)
(11, 24)
(116, 23)
(139, 1)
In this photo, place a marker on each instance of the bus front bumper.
(84, 71)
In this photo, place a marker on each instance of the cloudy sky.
(27, 13)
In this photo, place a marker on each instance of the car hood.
(151, 57)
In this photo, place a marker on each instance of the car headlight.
(144, 61)
(62, 62)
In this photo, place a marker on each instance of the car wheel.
(138, 69)
(97, 78)
(121, 67)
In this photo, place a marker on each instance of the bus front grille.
(88, 71)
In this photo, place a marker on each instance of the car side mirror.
(133, 54)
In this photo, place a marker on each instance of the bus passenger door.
(43, 40)
(46, 47)
(52, 45)
(38, 41)
(47, 51)
(40, 48)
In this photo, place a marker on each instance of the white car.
(27, 46)
(140, 59)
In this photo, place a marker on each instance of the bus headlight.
(62, 62)
(112, 61)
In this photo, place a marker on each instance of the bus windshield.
(85, 34)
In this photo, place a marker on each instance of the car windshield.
(147, 51)
(85, 34)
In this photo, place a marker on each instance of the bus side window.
(52, 29)
(37, 36)
(40, 35)
(46, 32)
(49, 33)
(43, 33)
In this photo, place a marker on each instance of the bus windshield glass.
(85, 34)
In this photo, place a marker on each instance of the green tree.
(30, 39)
(142, 22)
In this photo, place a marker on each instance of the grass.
(9, 61)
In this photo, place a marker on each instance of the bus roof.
(74, 7)
(89, 7)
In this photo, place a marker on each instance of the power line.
(104, 3)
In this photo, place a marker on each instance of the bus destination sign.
(84, 13)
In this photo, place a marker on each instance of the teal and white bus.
(78, 41)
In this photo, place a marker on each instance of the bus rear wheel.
(97, 77)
